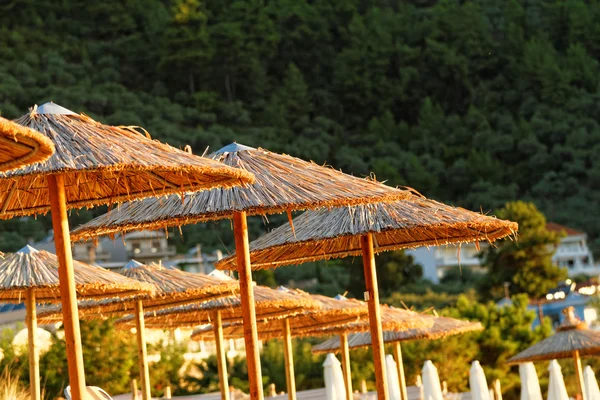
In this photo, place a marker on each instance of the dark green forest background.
(474, 103)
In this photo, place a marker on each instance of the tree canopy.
(526, 264)
(474, 103)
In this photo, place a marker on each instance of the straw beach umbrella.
(173, 287)
(20, 146)
(337, 315)
(572, 339)
(283, 184)
(441, 328)
(96, 164)
(32, 275)
(366, 230)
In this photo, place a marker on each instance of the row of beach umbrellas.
(96, 164)
(87, 164)
(281, 313)
(409, 220)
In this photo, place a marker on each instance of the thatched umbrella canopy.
(162, 315)
(20, 146)
(270, 304)
(97, 164)
(32, 275)
(572, 339)
(409, 223)
(369, 229)
(441, 328)
(101, 164)
(30, 271)
(336, 316)
(173, 287)
(283, 183)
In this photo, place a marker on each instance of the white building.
(437, 260)
(572, 253)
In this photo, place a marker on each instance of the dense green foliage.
(109, 359)
(470, 102)
(527, 263)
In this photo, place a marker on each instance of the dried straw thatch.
(20, 146)
(29, 268)
(570, 337)
(104, 164)
(441, 328)
(172, 287)
(412, 222)
(270, 304)
(283, 183)
(335, 317)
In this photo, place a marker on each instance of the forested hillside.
(470, 102)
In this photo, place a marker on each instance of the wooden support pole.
(142, 352)
(34, 358)
(240, 230)
(217, 324)
(400, 368)
(134, 390)
(372, 297)
(497, 389)
(290, 378)
(68, 295)
(346, 365)
(579, 375)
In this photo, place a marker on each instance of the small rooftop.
(554, 227)
(233, 147)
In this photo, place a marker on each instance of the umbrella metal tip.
(27, 250)
(219, 275)
(233, 148)
(133, 264)
(53, 108)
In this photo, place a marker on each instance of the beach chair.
(93, 393)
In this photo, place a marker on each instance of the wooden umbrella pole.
(346, 365)
(217, 324)
(240, 230)
(34, 358)
(372, 297)
(579, 375)
(288, 355)
(68, 295)
(400, 368)
(142, 351)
